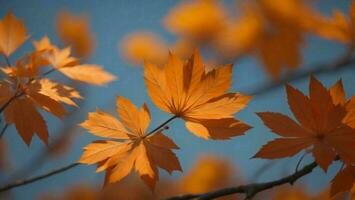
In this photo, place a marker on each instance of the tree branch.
(51, 173)
(250, 190)
(37, 178)
(345, 61)
(3, 130)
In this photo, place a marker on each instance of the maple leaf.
(185, 19)
(200, 98)
(27, 120)
(5, 92)
(145, 153)
(320, 126)
(265, 28)
(27, 66)
(22, 109)
(91, 74)
(285, 23)
(12, 34)
(338, 27)
(58, 92)
(43, 44)
(338, 95)
(137, 47)
(343, 181)
(74, 31)
(60, 58)
(62, 61)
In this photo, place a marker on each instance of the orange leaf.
(12, 34)
(137, 47)
(283, 147)
(27, 120)
(74, 31)
(282, 125)
(185, 19)
(58, 92)
(321, 126)
(217, 129)
(138, 151)
(91, 74)
(187, 91)
(343, 181)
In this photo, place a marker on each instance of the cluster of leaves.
(196, 96)
(186, 88)
(326, 123)
(260, 28)
(25, 88)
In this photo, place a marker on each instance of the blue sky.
(111, 20)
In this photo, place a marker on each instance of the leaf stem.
(300, 161)
(161, 126)
(7, 60)
(48, 72)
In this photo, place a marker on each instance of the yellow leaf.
(58, 92)
(128, 113)
(105, 125)
(60, 58)
(91, 74)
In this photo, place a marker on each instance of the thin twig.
(250, 190)
(161, 125)
(7, 103)
(262, 169)
(345, 61)
(48, 72)
(3, 130)
(37, 178)
(300, 161)
(48, 174)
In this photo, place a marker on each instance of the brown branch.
(48, 72)
(48, 174)
(3, 130)
(37, 178)
(250, 190)
(345, 61)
